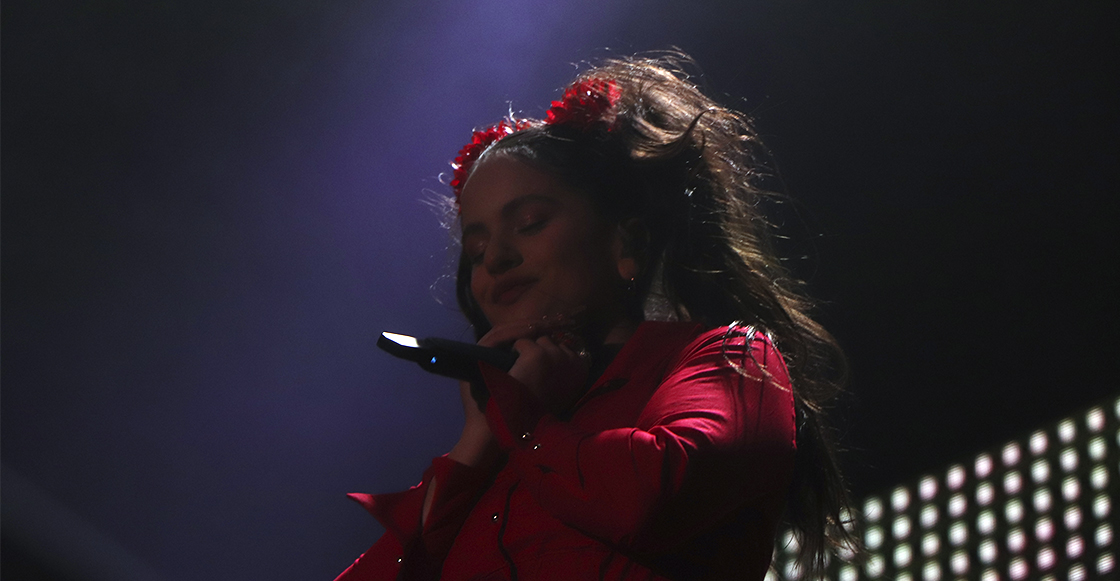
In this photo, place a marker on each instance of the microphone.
(445, 357)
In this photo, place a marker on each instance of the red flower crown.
(584, 104)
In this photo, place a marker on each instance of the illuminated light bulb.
(958, 534)
(1094, 419)
(1040, 471)
(1098, 448)
(927, 489)
(984, 494)
(1073, 518)
(959, 562)
(954, 478)
(987, 551)
(957, 505)
(1067, 431)
(1012, 483)
(1076, 572)
(1011, 454)
(928, 516)
(901, 528)
(1018, 569)
(1042, 500)
(874, 537)
(1101, 506)
(1046, 558)
(1104, 535)
(1071, 489)
(1105, 563)
(1014, 511)
(875, 566)
(931, 572)
(1044, 530)
(873, 509)
(900, 499)
(1039, 442)
(902, 555)
(986, 522)
(1068, 459)
(930, 544)
(1016, 541)
(983, 466)
(1099, 478)
(1074, 547)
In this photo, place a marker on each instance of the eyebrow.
(510, 209)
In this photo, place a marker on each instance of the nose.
(501, 256)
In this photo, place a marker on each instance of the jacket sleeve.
(407, 550)
(711, 439)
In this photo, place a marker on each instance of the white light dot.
(1044, 529)
(959, 562)
(873, 509)
(1098, 448)
(1076, 572)
(989, 575)
(1045, 558)
(928, 488)
(874, 537)
(955, 477)
(1042, 500)
(848, 573)
(986, 522)
(902, 555)
(1014, 511)
(1040, 470)
(930, 544)
(1018, 569)
(987, 552)
(1011, 454)
(875, 566)
(1073, 518)
(931, 572)
(1038, 442)
(1099, 478)
(1094, 419)
(901, 527)
(900, 499)
(1104, 535)
(1074, 547)
(1071, 489)
(957, 505)
(1101, 506)
(1105, 563)
(1012, 483)
(1016, 540)
(929, 516)
(1068, 459)
(983, 466)
(984, 494)
(1067, 430)
(958, 534)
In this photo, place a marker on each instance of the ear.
(630, 242)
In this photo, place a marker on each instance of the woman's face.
(536, 247)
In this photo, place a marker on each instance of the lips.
(509, 291)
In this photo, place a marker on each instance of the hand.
(551, 362)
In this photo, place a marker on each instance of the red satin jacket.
(674, 465)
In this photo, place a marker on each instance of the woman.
(644, 431)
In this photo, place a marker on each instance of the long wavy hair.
(689, 171)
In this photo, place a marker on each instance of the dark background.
(210, 209)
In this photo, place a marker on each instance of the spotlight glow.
(987, 551)
(984, 494)
(1044, 530)
(1105, 563)
(1094, 419)
(1016, 541)
(1068, 459)
(1012, 483)
(929, 516)
(1099, 478)
(873, 509)
(983, 466)
(1042, 500)
(1071, 489)
(1018, 569)
(1101, 506)
(1040, 471)
(1013, 511)
(989, 575)
(1104, 535)
(1067, 430)
(900, 499)
(957, 505)
(1039, 442)
(901, 527)
(954, 478)
(931, 572)
(1046, 558)
(1073, 518)
(1098, 449)
(1011, 454)
(930, 544)
(928, 488)
(958, 534)
(1074, 547)
(874, 537)
(986, 522)
(875, 566)
(902, 555)
(1076, 572)
(959, 562)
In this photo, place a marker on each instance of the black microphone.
(454, 359)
